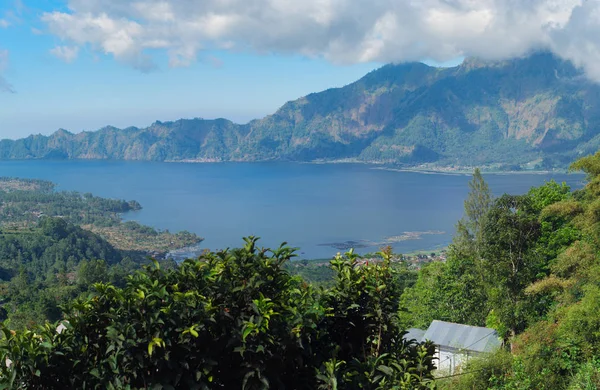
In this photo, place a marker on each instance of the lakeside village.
(417, 260)
(414, 261)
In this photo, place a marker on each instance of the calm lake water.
(319, 208)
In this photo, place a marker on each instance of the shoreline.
(442, 170)
(465, 172)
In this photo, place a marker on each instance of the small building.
(456, 343)
(414, 334)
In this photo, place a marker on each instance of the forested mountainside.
(55, 244)
(534, 112)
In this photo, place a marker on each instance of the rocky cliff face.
(522, 112)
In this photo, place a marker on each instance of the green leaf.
(386, 370)
(94, 372)
(246, 332)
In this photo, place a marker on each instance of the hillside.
(535, 112)
(54, 245)
(23, 202)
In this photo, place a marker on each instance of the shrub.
(232, 319)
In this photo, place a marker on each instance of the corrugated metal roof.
(414, 334)
(471, 338)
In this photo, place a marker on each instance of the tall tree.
(510, 260)
(477, 205)
(455, 291)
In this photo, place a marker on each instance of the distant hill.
(534, 112)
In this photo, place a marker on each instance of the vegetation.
(132, 236)
(46, 258)
(529, 269)
(526, 113)
(320, 274)
(232, 319)
(526, 266)
(50, 265)
(316, 272)
(8, 184)
(24, 201)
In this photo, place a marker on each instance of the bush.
(489, 372)
(232, 319)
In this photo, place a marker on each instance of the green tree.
(231, 319)
(455, 291)
(91, 272)
(510, 260)
(469, 229)
(477, 204)
(365, 332)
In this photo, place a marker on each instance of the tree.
(478, 202)
(364, 329)
(231, 319)
(464, 255)
(455, 291)
(510, 261)
(451, 291)
(91, 272)
(477, 205)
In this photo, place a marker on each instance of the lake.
(320, 208)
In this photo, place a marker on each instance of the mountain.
(532, 112)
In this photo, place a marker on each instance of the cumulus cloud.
(342, 31)
(577, 40)
(65, 53)
(5, 86)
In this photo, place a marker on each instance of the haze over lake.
(320, 208)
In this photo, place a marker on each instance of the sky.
(84, 64)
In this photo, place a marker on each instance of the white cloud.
(578, 40)
(4, 23)
(342, 31)
(5, 86)
(66, 53)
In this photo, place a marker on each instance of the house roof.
(458, 336)
(414, 334)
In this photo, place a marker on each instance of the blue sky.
(95, 90)
(84, 64)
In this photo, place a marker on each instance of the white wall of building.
(450, 361)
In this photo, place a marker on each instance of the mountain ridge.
(536, 112)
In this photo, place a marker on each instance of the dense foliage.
(27, 200)
(54, 244)
(48, 238)
(232, 319)
(23, 202)
(50, 264)
(531, 270)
